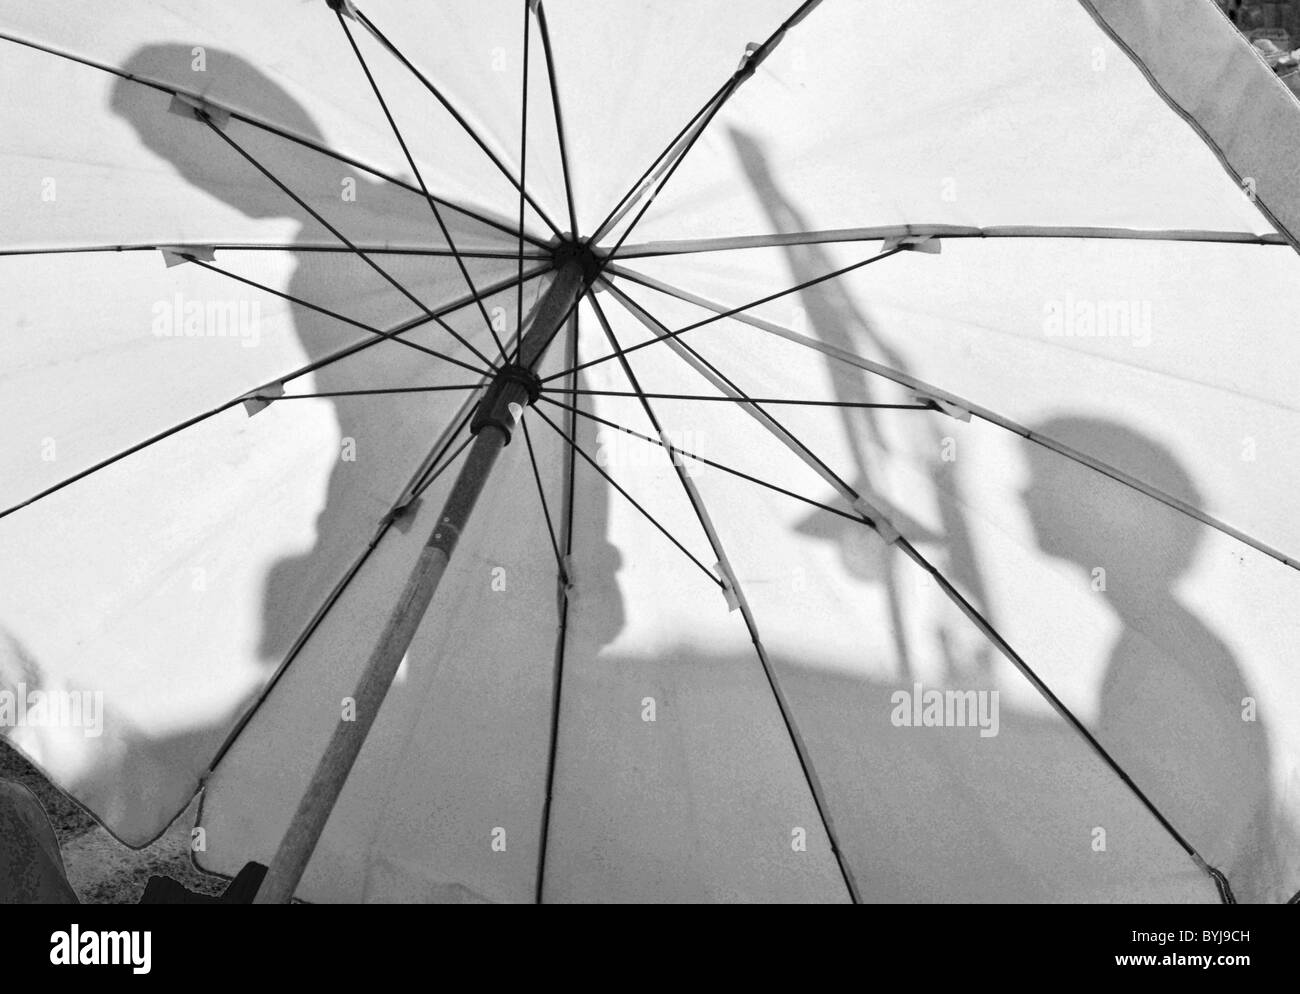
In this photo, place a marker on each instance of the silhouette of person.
(383, 461)
(1173, 698)
(296, 585)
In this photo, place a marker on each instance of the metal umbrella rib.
(563, 581)
(433, 205)
(650, 250)
(706, 461)
(604, 474)
(715, 542)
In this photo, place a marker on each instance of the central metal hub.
(570, 250)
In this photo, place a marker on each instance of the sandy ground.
(101, 869)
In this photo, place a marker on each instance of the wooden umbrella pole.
(514, 388)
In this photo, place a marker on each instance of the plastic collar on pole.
(503, 403)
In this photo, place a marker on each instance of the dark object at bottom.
(242, 890)
(31, 866)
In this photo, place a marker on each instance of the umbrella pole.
(514, 387)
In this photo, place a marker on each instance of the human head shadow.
(298, 584)
(1175, 716)
(1174, 708)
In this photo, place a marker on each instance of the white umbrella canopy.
(984, 390)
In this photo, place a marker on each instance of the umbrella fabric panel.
(1205, 67)
(264, 514)
(327, 102)
(952, 113)
(121, 169)
(460, 747)
(163, 616)
(704, 803)
(629, 83)
(156, 346)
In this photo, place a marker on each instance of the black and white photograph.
(643, 452)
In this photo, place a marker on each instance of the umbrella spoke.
(545, 30)
(637, 190)
(630, 499)
(523, 171)
(671, 335)
(337, 316)
(546, 507)
(725, 384)
(437, 466)
(310, 367)
(689, 487)
(863, 405)
(437, 214)
(705, 461)
(724, 563)
(562, 629)
(203, 116)
(436, 469)
(460, 119)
